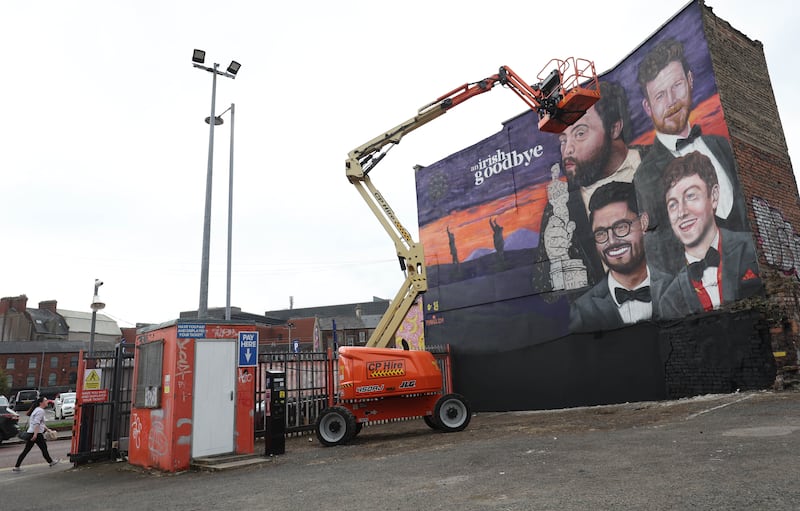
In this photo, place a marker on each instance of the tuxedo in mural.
(631, 290)
(737, 278)
(720, 265)
(667, 84)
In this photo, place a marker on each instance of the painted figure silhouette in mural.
(451, 239)
(558, 232)
(632, 290)
(594, 151)
(667, 83)
(557, 236)
(719, 265)
(497, 238)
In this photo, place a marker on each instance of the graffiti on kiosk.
(136, 428)
(221, 332)
(157, 442)
(187, 438)
(245, 376)
(779, 242)
(184, 367)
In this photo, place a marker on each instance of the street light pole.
(218, 121)
(41, 369)
(230, 219)
(202, 310)
(96, 306)
(198, 58)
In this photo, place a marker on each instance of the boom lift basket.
(578, 78)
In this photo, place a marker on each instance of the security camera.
(98, 282)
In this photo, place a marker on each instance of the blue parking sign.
(248, 349)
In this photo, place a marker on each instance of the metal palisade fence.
(102, 417)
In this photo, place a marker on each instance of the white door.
(214, 397)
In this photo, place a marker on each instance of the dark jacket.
(740, 278)
(595, 310)
(664, 251)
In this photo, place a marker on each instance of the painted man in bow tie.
(594, 151)
(631, 290)
(720, 265)
(666, 82)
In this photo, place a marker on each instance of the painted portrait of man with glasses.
(631, 290)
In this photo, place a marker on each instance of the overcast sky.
(103, 152)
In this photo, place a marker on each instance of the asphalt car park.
(732, 451)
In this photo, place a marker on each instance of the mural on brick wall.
(634, 213)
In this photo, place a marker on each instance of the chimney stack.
(48, 305)
(15, 303)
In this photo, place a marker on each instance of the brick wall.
(719, 352)
(751, 113)
(766, 174)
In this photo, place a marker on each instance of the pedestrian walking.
(35, 434)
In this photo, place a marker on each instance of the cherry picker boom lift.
(377, 383)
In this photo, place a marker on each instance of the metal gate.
(102, 417)
(312, 384)
(306, 388)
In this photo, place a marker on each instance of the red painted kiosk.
(194, 387)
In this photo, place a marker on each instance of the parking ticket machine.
(275, 438)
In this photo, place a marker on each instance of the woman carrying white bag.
(35, 434)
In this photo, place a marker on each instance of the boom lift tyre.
(431, 422)
(452, 413)
(336, 425)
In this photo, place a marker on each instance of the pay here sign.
(248, 349)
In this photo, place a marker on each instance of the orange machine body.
(386, 383)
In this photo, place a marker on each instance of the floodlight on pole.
(198, 57)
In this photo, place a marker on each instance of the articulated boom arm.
(556, 107)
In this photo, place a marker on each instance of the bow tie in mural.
(693, 134)
(697, 268)
(623, 295)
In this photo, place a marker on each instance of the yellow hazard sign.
(91, 379)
